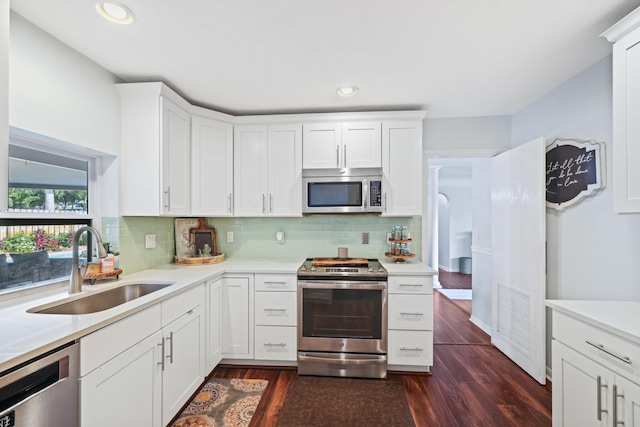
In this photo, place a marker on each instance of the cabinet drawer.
(178, 305)
(106, 343)
(276, 343)
(276, 282)
(410, 348)
(410, 285)
(577, 334)
(276, 308)
(413, 312)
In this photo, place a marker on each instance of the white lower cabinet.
(237, 317)
(214, 329)
(410, 322)
(593, 385)
(127, 390)
(183, 351)
(147, 382)
(276, 317)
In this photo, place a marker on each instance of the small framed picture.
(203, 239)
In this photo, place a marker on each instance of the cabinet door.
(176, 159)
(626, 126)
(237, 317)
(361, 145)
(184, 354)
(211, 167)
(582, 389)
(250, 171)
(126, 391)
(285, 170)
(402, 168)
(321, 145)
(214, 340)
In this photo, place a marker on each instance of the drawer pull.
(275, 283)
(161, 362)
(280, 310)
(615, 406)
(412, 314)
(600, 347)
(275, 345)
(411, 349)
(413, 285)
(600, 386)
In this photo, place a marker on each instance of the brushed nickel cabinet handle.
(264, 203)
(601, 347)
(229, 203)
(412, 314)
(280, 310)
(418, 349)
(168, 198)
(275, 345)
(270, 202)
(615, 406)
(170, 356)
(344, 159)
(161, 362)
(600, 386)
(337, 157)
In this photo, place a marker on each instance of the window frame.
(46, 144)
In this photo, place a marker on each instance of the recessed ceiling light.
(347, 90)
(115, 12)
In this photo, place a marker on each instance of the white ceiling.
(455, 58)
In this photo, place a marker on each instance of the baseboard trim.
(486, 328)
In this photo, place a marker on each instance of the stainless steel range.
(342, 317)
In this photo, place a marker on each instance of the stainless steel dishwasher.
(42, 391)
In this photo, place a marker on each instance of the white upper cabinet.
(342, 145)
(211, 167)
(267, 170)
(626, 109)
(402, 168)
(155, 176)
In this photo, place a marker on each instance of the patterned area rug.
(223, 402)
(352, 402)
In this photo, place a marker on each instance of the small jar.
(405, 232)
(397, 232)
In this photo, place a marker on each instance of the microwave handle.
(365, 190)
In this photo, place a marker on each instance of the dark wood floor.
(471, 382)
(454, 280)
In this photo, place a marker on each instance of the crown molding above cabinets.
(179, 159)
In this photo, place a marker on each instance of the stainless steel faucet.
(77, 273)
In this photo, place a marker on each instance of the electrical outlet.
(149, 241)
(229, 236)
(389, 237)
(365, 238)
(280, 236)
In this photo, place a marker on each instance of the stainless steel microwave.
(342, 190)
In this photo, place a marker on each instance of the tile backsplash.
(313, 235)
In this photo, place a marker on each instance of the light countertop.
(618, 317)
(26, 335)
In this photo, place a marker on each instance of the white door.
(285, 170)
(250, 170)
(518, 244)
(362, 145)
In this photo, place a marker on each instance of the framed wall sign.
(575, 170)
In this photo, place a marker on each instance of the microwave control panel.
(375, 193)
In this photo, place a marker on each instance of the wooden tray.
(333, 262)
(92, 277)
(199, 261)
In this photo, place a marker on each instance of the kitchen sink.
(102, 300)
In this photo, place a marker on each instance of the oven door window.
(342, 313)
(334, 194)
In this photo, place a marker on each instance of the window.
(48, 199)
(45, 182)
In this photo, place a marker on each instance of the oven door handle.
(338, 361)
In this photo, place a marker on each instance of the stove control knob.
(370, 269)
(303, 268)
(313, 268)
(380, 269)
